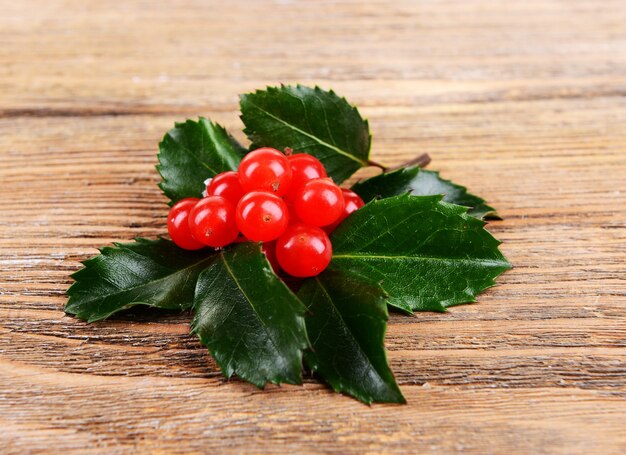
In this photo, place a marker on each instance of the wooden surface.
(523, 102)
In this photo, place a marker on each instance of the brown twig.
(377, 164)
(421, 161)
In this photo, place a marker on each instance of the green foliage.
(146, 272)
(406, 248)
(308, 120)
(249, 319)
(425, 253)
(420, 182)
(192, 152)
(346, 324)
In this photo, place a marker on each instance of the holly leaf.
(251, 322)
(155, 273)
(308, 120)
(346, 325)
(420, 182)
(425, 253)
(190, 153)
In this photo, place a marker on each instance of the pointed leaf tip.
(155, 273)
(420, 182)
(252, 324)
(346, 323)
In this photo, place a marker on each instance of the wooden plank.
(522, 102)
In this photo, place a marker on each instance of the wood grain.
(523, 102)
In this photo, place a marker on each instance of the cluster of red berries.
(285, 201)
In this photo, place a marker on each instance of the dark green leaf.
(193, 152)
(308, 120)
(346, 325)
(422, 183)
(251, 322)
(146, 272)
(426, 254)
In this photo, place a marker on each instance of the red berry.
(212, 221)
(265, 169)
(319, 203)
(269, 249)
(353, 202)
(262, 216)
(178, 224)
(226, 185)
(304, 167)
(303, 251)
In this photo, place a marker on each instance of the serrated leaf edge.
(490, 213)
(350, 391)
(105, 251)
(316, 88)
(463, 212)
(201, 119)
(227, 370)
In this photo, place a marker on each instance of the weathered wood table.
(523, 102)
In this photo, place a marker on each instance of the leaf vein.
(316, 139)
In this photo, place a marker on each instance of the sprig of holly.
(419, 244)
